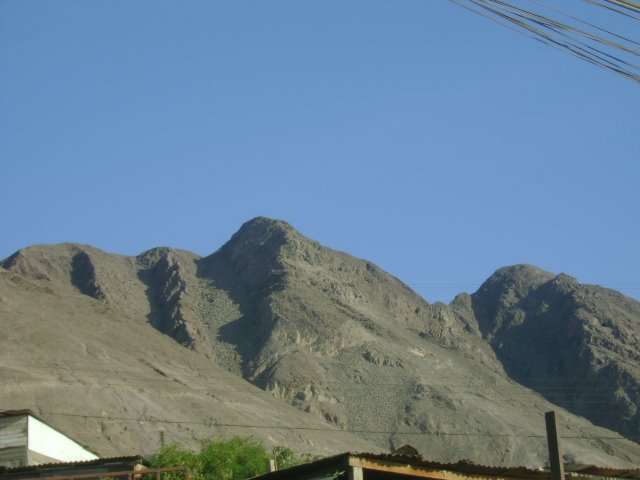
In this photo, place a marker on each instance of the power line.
(474, 386)
(324, 429)
(597, 45)
(543, 383)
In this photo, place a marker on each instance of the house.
(368, 466)
(120, 468)
(26, 439)
(30, 449)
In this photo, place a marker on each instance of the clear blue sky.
(412, 133)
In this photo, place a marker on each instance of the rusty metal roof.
(99, 462)
(463, 466)
(633, 473)
(466, 466)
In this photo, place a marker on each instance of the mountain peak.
(260, 226)
(514, 280)
(332, 335)
(522, 271)
(46, 261)
(260, 236)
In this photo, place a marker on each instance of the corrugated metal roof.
(462, 466)
(603, 471)
(134, 459)
(466, 466)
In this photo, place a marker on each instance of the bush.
(176, 456)
(236, 459)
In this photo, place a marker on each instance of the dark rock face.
(577, 345)
(167, 287)
(355, 348)
(83, 275)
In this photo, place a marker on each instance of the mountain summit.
(354, 349)
(577, 345)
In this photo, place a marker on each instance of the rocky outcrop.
(83, 276)
(165, 275)
(577, 345)
(353, 348)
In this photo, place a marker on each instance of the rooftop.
(415, 466)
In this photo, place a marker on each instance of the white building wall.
(49, 442)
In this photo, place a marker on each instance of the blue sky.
(415, 134)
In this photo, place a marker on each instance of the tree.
(175, 456)
(285, 457)
(235, 459)
(238, 458)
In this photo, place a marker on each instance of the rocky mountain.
(77, 347)
(350, 346)
(577, 345)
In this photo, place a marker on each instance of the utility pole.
(555, 449)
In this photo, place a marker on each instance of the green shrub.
(236, 459)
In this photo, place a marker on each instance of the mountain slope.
(338, 338)
(577, 345)
(114, 382)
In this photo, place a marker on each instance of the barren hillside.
(350, 346)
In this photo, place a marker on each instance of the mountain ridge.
(337, 337)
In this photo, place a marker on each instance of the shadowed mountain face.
(577, 345)
(355, 349)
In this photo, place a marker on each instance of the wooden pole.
(555, 450)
